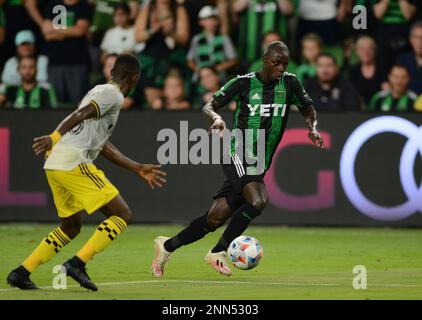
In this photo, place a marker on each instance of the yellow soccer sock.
(47, 249)
(108, 230)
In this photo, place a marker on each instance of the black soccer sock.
(239, 222)
(196, 230)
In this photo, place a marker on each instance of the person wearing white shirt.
(121, 38)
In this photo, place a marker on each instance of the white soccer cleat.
(161, 257)
(218, 261)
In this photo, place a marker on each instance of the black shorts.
(232, 187)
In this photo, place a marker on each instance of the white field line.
(287, 284)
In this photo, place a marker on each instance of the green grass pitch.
(298, 263)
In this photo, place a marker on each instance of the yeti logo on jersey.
(265, 110)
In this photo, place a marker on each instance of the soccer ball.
(245, 252)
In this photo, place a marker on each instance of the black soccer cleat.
(75, 269)
(19, 278)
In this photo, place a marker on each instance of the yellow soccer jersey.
(83, 143)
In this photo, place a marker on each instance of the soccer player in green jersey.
(263, 101)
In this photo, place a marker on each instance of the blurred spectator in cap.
(267, 38)
(398, 97)
(173, 94)
(413, 59)
(194, 6)
(328, 91)
(120, 38)
(25, 47)
(210, 48)
(31, 94)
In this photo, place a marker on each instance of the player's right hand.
(218, 126)
(42, 144)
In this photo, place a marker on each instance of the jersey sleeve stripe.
(96, 107)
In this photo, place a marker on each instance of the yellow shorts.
(82, 188)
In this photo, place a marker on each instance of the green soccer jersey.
(384, 101)
(42, 96)
(261, 105)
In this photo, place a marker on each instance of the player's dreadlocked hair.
(126, 65)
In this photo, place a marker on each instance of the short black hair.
(126, 65)
(328, 55)
(276, 45)
(122, 6)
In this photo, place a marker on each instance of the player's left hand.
(42, 144)
(152, 175)
(316, 139)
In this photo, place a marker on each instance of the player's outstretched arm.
(149, 172)
(311, 122)
(45, 143)
(209, 112)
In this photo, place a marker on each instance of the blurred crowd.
(349, 54)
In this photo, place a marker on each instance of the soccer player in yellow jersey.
(77, 185)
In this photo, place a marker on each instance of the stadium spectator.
(31, 94)
(194, 6)
(173, 94)
(393, 18)
(321, 17)
(67, 50)
(254, 18)
(413, 60)
(267, 38)
(120, 38)
(103, 16)
(398, 97)
(367, 75)
(328, 91)
(211, 83)
(311, 49)
(162, 26)
(25, 47)
(108, 64)
(210, 47)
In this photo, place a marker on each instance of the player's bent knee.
(71, 231)
(214, 222)
(260, 203)
(126, 215)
